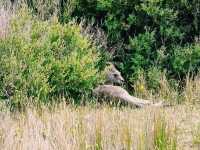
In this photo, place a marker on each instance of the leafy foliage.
(144, 28)
(45, 60)
(143, 54)
(146, 37)
(186, 59)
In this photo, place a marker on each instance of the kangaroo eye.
(115, 75)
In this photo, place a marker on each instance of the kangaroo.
(111, 89)
(113, 76)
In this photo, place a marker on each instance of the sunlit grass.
(164, 135)
(91, 127)
(196, 136)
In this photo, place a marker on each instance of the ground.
(88, 127)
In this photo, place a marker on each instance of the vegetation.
(64, 126)
(162, 138)
(44, 59)
(92, 127)
(196, 136)
(149, 39)
(139, 30)
(54, 52)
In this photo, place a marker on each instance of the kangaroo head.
(113, 76)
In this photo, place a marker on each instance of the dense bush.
(144, 34)
(186, 59)
(143, 54)
(153, 27)
(44, 60)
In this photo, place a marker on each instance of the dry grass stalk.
(191, 93)
(4, 22)
(66, 127)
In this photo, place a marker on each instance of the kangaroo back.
(119, 93)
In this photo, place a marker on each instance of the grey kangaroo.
(112, 89)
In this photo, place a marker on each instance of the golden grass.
(191, 92)
(4, 22)
(66, 127)
(196, 136)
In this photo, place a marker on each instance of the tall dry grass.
(196, 136)
(67, 127)
(4, 22)
(191, 92)
(188, 92)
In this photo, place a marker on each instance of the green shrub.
(186, 59)
(172, 22)
(154, 76)
(136, 31)
(45, 60)
(142, 55)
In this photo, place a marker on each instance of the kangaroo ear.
(109, 63)
(110, 66)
